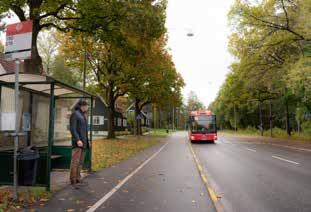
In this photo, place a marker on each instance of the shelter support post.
(50, 136)
(91, 132)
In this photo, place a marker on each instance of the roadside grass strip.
(109, 152)
(213, 195)
(27, 196)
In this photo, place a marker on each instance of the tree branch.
(19, 12)
(47, 25)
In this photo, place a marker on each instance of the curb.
(213, 195)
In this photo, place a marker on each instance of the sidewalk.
(99, 183)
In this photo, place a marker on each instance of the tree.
(61, 15)
(112, 53)
(268, 43)
(194, 103)
(155, 80)
(44, 14)
(47, 46)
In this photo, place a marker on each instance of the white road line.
(289, 161)
(252, 150)
(117, 187)
(290, 147)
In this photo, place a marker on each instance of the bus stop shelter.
(46, 104)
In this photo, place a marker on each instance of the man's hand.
(80, 143)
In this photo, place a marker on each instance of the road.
(163, 178)
(253, 176)
(245, 176)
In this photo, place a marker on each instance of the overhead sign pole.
(17, 47)
(15, 182)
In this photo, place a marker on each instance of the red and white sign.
(18, 40)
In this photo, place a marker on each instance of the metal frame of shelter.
(54, 90)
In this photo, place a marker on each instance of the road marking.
(117, 187)
(290, 147)
(283, 159)
(252, 150)
(214, 197)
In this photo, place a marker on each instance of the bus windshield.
(203, 124)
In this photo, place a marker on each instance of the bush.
(251, 129)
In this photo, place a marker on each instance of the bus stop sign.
(18, 40)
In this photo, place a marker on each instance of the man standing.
(79, 134)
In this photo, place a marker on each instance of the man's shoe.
(82, 183)
(75, 186)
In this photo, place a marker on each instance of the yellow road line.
(214, 197)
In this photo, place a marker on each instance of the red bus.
(202, 126)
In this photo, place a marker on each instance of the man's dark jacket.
(78, 128)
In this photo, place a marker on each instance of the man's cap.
(82, 102)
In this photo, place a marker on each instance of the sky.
(203, 59)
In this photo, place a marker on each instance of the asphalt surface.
(169, 182)
(247, 175)
(256, 176)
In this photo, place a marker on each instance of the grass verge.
(159, 132)
(109, 152)
(26, 198)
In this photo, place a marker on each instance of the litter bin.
(27, 165)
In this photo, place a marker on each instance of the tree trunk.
(270, 117)
(159, 118)
(154, 116)
(260, 117)
(288, 130)
(34, 65)
(111, 113)
(138, 121)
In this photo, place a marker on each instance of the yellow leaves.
(109, 152)
(26, 198)
(44, 200)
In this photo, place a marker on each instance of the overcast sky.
(202, 60)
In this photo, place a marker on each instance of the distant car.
(202, 126)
